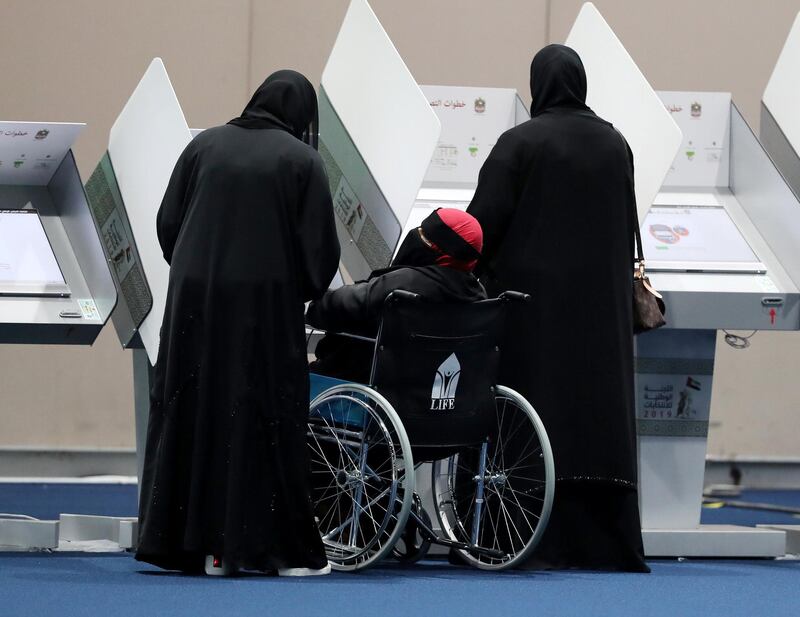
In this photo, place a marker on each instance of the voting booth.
(714, 241)
(126, 190)
(55, 283)
(124, 193)
(780, 134)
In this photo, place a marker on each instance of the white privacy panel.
(620, 93)
(381, 106)
(782, 94)
(145, 142)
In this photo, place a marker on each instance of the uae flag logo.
(693, 384)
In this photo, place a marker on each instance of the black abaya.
(247, 225)
(554, 200)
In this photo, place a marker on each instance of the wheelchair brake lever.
(402, 294)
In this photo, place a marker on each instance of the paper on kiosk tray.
(619, 92)
(27, 261)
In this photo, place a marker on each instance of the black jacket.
(356, 309)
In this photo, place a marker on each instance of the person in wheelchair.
(435, 260)
(427, 391)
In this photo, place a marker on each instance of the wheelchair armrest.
(318, 331)
(356, 337)
(515, 296)
(401, 294)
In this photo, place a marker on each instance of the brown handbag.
(648, 305)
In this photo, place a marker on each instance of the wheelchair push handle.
(515, 296)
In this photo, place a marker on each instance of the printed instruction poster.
(472, 121)
(704, 118)
(30, 152)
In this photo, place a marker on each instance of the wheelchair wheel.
(362, 474)
(413, 545)
(496, 497)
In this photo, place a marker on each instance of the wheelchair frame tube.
(476, 521)
(362, 463)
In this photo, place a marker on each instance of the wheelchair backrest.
(437, 364)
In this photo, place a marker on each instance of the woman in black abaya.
(555, 199)
(247, 226)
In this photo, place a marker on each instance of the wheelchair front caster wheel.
(413, 544)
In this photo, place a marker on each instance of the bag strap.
(633, 213)
(638, 235)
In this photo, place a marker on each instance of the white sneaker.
(304, 571)
(216, 566)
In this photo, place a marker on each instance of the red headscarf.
(463, 225)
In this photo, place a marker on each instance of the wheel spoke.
(505, 510)
(356, 533)
(516, 459)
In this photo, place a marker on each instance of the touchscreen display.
(702, 238)
(27, 263)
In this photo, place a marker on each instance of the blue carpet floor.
(77, 585)
(713, 515)
(47, 501)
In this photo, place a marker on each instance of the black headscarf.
(286, 100)
(558, 79)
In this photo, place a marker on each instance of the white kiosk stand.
(714, 248)
(780, 134)
(55, 284)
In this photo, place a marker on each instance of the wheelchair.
(432, 397)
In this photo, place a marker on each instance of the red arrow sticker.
(772, 314)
